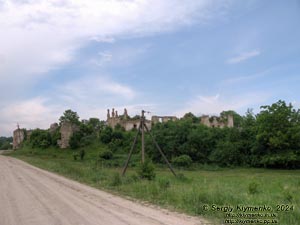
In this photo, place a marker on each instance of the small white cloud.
(104, 57)
(243, 56)
(103, 39)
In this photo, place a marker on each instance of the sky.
(168, 57)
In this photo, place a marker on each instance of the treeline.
(5, 143)
(270, 138)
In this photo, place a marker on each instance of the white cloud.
(213, 105)
(93, 88)
(104, 57)
(243, 57)
(103, 39)
(32, 113)
(39, 36)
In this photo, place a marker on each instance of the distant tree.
(5, 143)
(95, 124)
(69, 116)
(191, 116)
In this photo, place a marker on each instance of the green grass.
(189, 193)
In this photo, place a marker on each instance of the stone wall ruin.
(66, 131)
(124, 120)
(18, 138)
(215, 121)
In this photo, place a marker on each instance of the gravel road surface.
(31, 196)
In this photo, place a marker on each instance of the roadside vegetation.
(5, 143)
(255, 163)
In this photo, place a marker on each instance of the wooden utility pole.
(143, 136)
(141, 129)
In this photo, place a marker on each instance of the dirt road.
(31, 196)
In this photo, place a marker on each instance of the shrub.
(40, 139)
(116, 180)
(164, 183)
(55, 136)
(286, 160)
(82, 154)
(183, 161)
(87, 140)
(106, 135)
(106, 154)
(75, 155)
(74, 141)
(253, 188)
(146, 170)
(288, 197)
(181, 177)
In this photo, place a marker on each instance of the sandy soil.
(31, 196)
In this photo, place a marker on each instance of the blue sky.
(166, 56)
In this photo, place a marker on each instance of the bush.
(5, 146)
(106, 135)
(164, 183)
(227, 153)
(146, 170)
(82, 154)
(87, 140)
(253, 188)
(55, 136)
(183, 161)
(181, 177)
(74, 141)
(116, 180)
(75, 155)
(286, 160)
(40, 139)
(106, 154)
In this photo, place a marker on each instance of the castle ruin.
(124, 120)
(163, 119)
(215, 121)
(67, 129)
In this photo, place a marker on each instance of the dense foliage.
(5, 143)
(269, 139)
(69, 116)
(40, 139)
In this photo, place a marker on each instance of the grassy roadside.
(195, 192)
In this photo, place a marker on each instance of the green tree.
(191, 116)
(5, 143)
(277, 136)
(95, 125)
(274, 123)
(69, 116)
